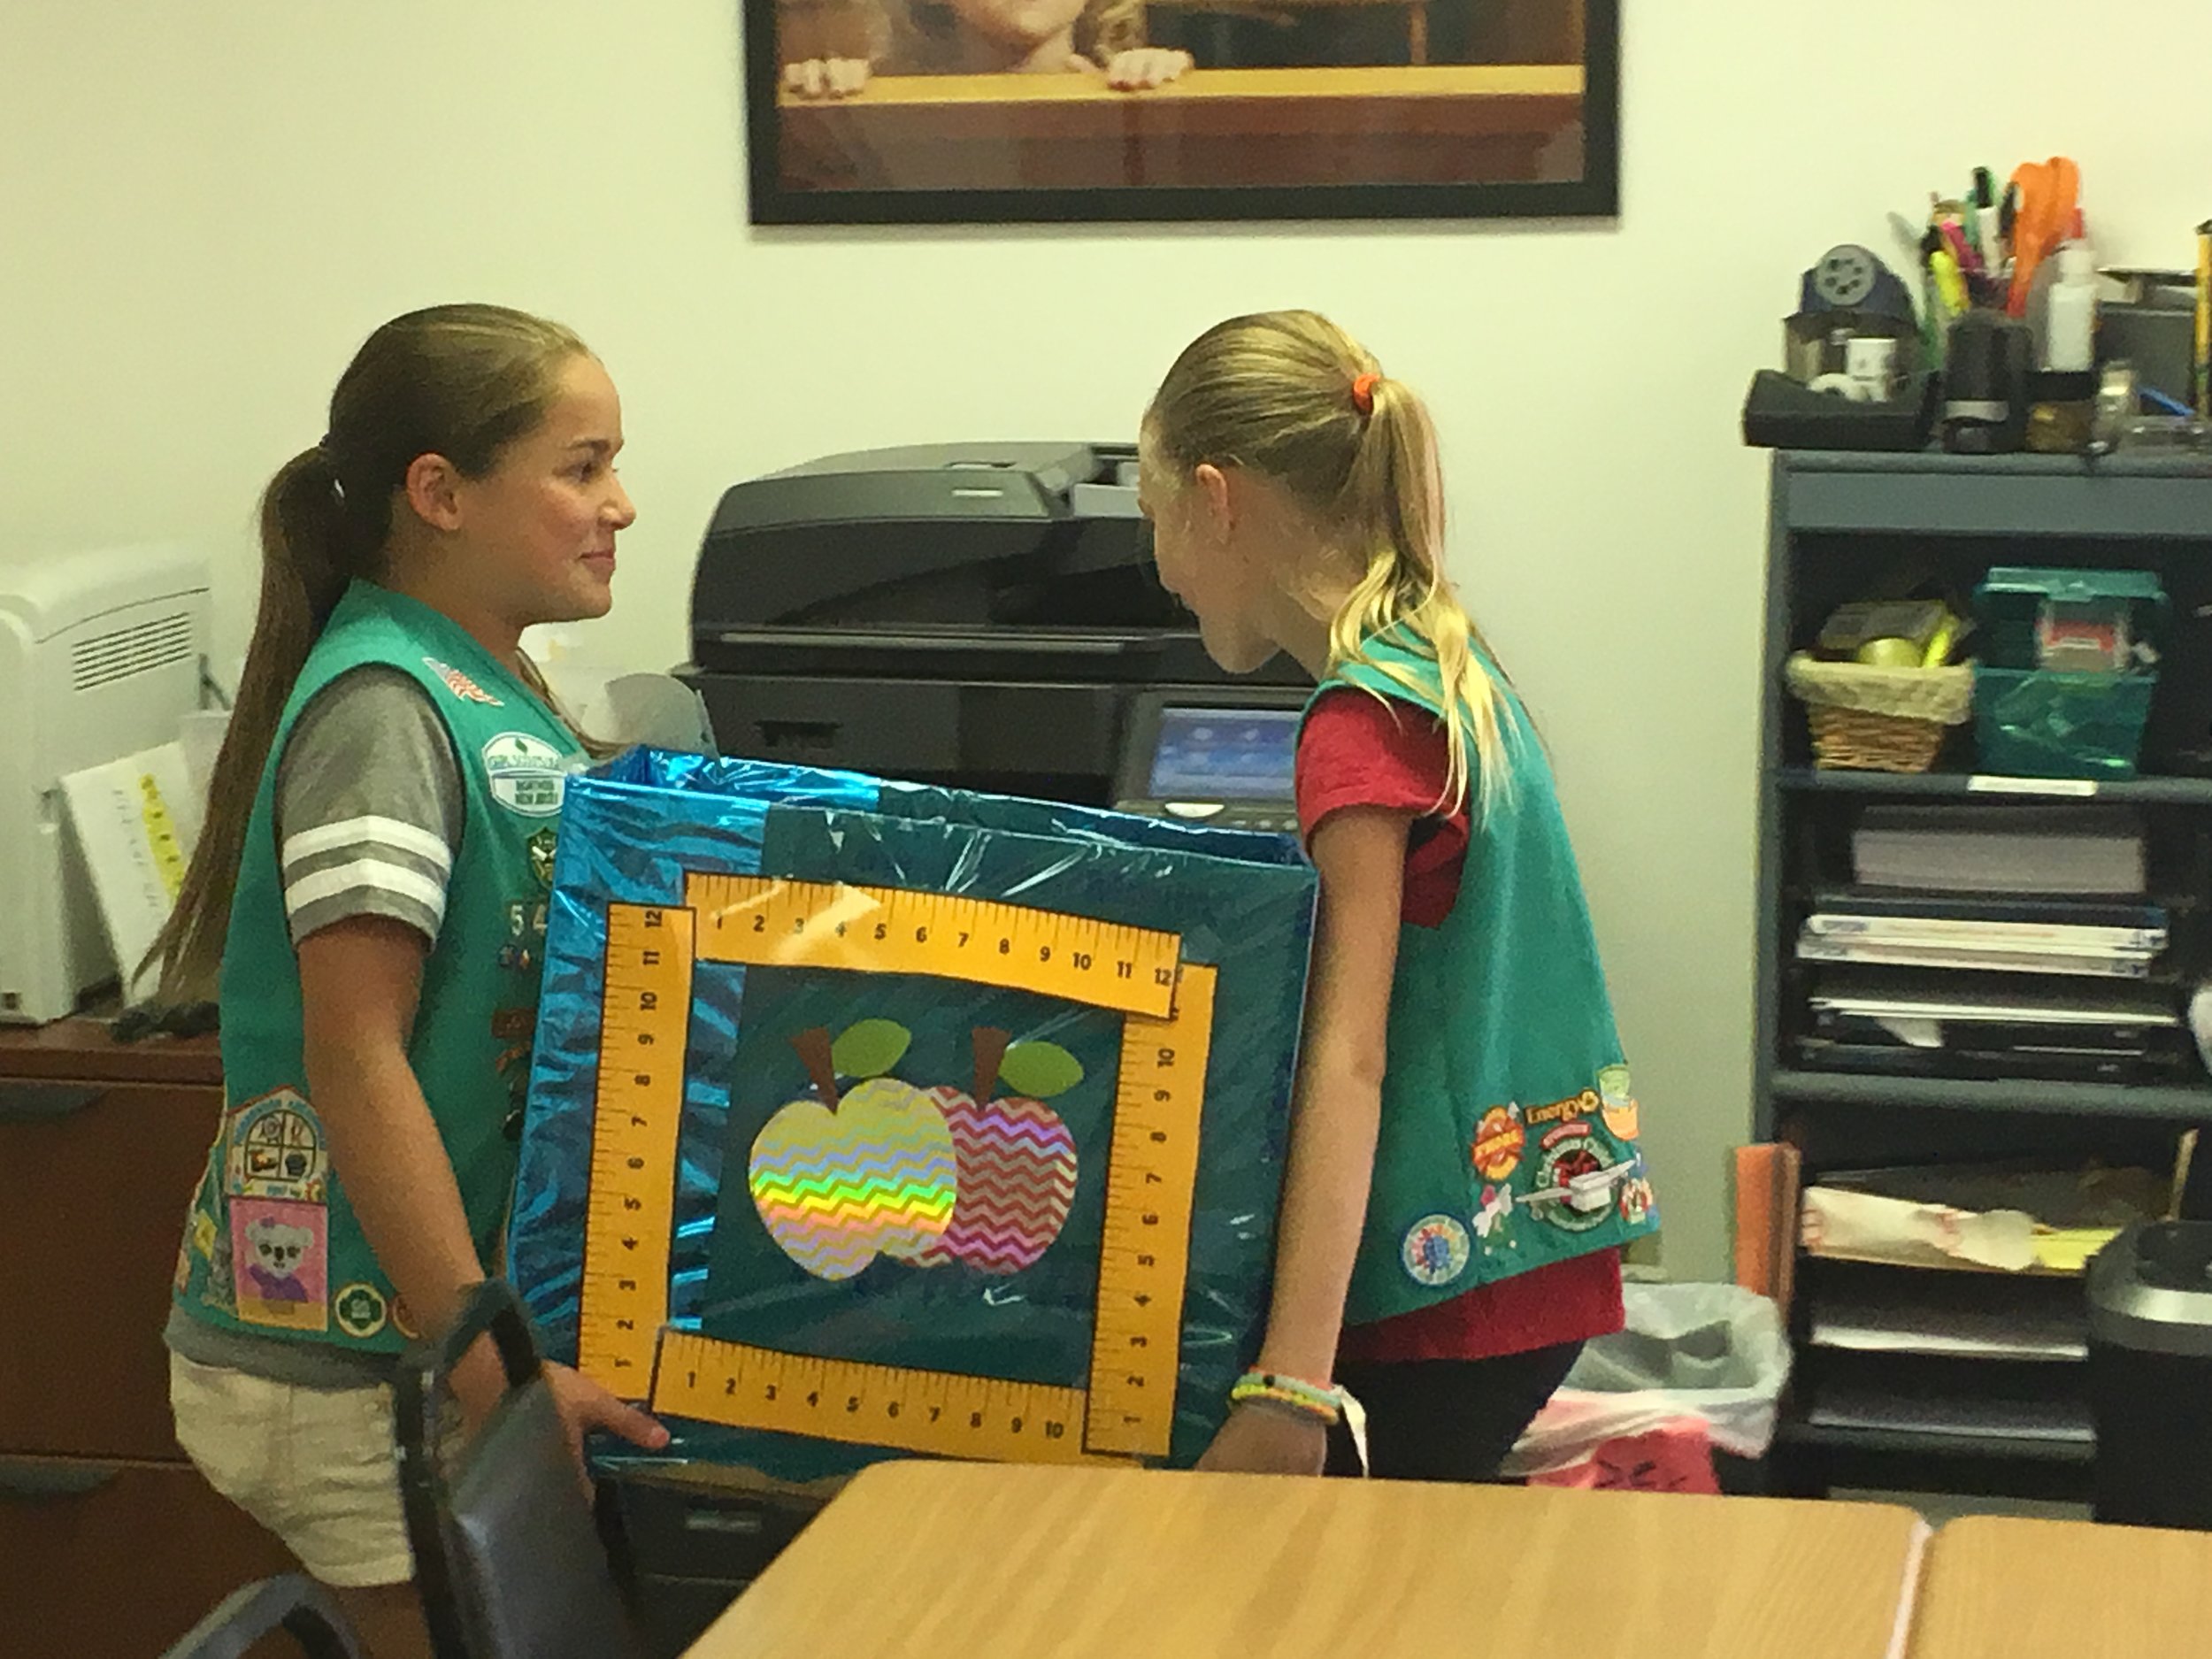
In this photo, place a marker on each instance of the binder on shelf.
(2109, 963)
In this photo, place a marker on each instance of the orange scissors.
(2049, 193)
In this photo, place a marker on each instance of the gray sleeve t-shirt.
(368, 805)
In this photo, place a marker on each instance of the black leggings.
(1445, 1419)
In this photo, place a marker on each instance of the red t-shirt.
(1358, 750)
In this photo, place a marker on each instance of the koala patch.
(279, 1263)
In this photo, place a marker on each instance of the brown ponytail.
(1291, 396)
(462, 382)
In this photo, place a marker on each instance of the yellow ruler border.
(1127, 1411)
(769, 921)
(942, 1414)
(630, 1213)
(1144, 1255)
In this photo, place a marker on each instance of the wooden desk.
(2006, 1589)
(110, 1544)
(1441, 123)
(1009, 1562)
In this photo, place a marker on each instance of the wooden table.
(2006, 1589)
(1018, 1562)
(1438, 123)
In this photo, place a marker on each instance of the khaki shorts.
(316, 1466)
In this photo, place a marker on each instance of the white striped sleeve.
(369, 806)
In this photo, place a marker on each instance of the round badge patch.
(360, 1310)
(1435, 1250)
(1575, 1165)
(525, 773)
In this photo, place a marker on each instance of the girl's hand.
(826, 77)
(1145, 66)
(585, 1406)
(1256, 1440)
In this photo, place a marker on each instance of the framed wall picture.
(921, 112)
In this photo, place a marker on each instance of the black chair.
(292, 1601)
(507, 1556)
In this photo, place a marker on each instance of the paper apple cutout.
(1016, 1157)
(838, 1181)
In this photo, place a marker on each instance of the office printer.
(984, 615)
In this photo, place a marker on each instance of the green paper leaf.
(870, 1048)
(1040, 1070)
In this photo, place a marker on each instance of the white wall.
(203, 208)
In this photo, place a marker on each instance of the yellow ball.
(1891, 653)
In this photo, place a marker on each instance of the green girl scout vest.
(272, 1247)
(1508, 1132)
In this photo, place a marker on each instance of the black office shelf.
(1932, 1443)
(2122, 498)
(1837, 522)
(2187, 1103)
(1958, 786)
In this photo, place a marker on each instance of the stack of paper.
(2001, 849)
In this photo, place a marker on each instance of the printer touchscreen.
(1225, 754)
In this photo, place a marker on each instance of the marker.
(2204, 320)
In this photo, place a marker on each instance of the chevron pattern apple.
(1017, 1180)
(836, 1183)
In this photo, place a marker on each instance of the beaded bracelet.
(1271, 1388)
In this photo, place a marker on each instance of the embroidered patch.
(1621, 1115)
(281, 1254)
(403, 1321)
(460, 685)
(525, 773)
(1583, 1105)
(275, 1149)
(1499, 1138)
(203, 1233)
(361, 1310)
(1636, 1198)
(542, 846)
(1574, 1179)
(1435, 1250)
(1493, 1222)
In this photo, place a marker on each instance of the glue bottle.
(2069, 326)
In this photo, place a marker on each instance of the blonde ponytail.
(1275, 393)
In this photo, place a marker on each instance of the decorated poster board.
(869, 1120)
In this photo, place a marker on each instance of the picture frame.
(907, 112)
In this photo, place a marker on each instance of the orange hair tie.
(1363, 392)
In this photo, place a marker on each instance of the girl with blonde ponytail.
(1463, 1167)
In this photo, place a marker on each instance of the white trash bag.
(1716, 1353)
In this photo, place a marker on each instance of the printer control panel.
(1206, 760)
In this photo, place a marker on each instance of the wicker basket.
(1879, 720)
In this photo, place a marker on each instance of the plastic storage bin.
(2059, 691)
(2150, 1375)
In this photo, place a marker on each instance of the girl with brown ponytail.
(365, 905)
